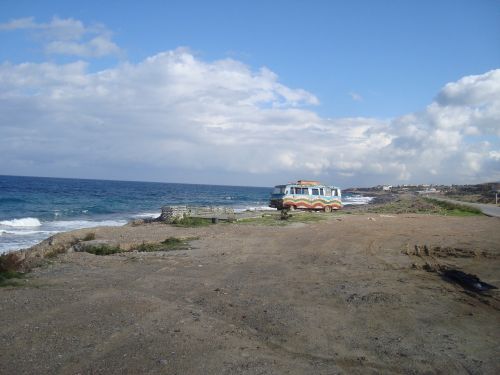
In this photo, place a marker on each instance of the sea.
(34, 208)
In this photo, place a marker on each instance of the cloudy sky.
(252, 93)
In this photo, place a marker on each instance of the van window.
(315, 191)
(321, 192)
(328, 192)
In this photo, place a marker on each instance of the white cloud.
(472, 91)
(97, 47)
(67, 36)
(355, 96)
(473, 101)
(448, 137)
(176, 112)
(495, 155)
(19, 23)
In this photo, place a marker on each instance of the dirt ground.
(349, 295)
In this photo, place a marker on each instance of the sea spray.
(24, 222)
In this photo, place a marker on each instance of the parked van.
(305, 194)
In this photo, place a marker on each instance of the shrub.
(103, 249)
(10, 262)
(89, 237)
(285, 215)
(10, 265)
(149, 247)
(171, 243)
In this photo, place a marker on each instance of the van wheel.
(328, 209)
(291, 208)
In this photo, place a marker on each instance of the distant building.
(387, 187)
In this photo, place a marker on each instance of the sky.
(353, 93)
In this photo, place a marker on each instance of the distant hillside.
(479, 193)
(482, 193)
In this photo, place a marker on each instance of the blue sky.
(368, 64)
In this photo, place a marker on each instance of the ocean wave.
(24, 222)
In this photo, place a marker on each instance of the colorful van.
(305, 194)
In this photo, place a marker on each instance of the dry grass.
(10, 269)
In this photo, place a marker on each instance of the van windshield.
(279, 190)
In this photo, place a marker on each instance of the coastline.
(342, 294)
(34, 208)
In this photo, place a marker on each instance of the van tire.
(328, 209)
(291, 208)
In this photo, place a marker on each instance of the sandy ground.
(344, 296)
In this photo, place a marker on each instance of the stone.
(172, 213)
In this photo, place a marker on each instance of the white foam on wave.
(24, 222)
(148, 214)
(21, 237)
(26, 232)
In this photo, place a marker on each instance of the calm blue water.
(33, 208)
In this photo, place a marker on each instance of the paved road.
(487, 209)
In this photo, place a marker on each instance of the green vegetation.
(190, 222)
(10, 266)
(419, 205)
(171, 243)
(103, 249)
(288, 218)
(454, 208)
